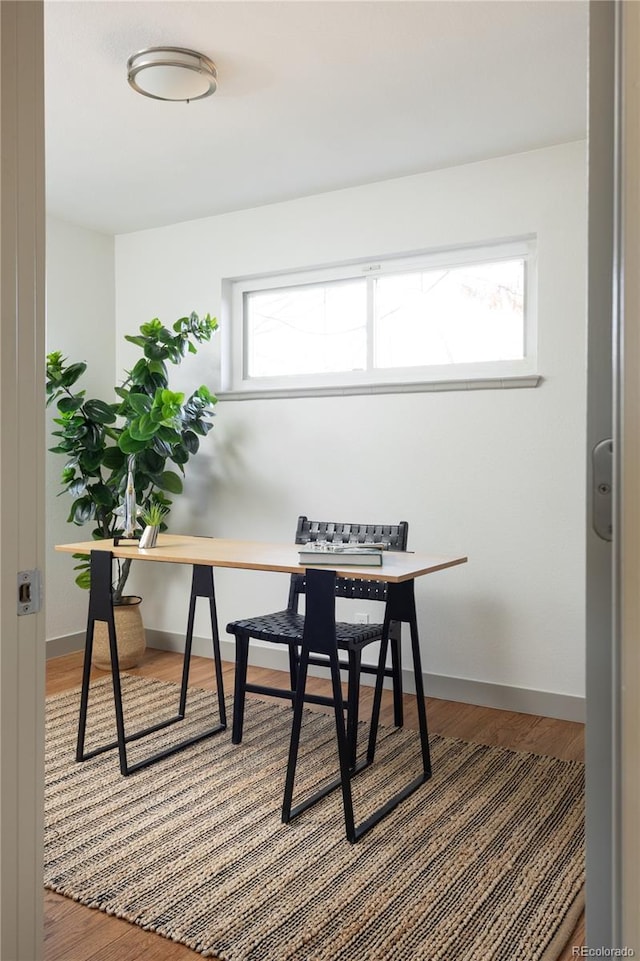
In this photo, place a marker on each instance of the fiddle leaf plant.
(160, 427)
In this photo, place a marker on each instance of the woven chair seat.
(286, 626)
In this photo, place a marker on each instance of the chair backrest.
(393, 536)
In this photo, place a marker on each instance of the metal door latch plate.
(29, 592)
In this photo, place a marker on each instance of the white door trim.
(22, 447)
(601, 845)
(628, 513)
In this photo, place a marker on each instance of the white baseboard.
(566, 707)
(68, 644)
(504, 697)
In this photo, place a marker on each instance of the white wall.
(80, 323)
(496, 474)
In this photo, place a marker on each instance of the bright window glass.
(317, 328)
(453, 315)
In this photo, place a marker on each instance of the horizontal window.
(309, 329)
(447, 316)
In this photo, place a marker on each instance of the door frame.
(613, 411)
(613, 670)
(600, 694)
(22, 451)
(627, 486)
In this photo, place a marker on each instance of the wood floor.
(77, 933)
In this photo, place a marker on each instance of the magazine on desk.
(360, 555)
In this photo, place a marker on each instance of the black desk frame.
(320, 638)
(101, 609)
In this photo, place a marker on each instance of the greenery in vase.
(150, 421)
(154, 515)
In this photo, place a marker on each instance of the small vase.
(149, 536)
(129, 633)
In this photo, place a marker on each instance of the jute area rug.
(484, 862)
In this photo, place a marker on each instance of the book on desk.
(360, 555)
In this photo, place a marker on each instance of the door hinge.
(29, 592)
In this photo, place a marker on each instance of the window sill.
(486, 383)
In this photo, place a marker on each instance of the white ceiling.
(312, 96)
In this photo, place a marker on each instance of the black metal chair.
(286, 627)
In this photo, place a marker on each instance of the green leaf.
(90, 460)
(165, 336)
(100, 412)
(155, 351)
(81, 511)
(169, 435)
(83, 580)
(71, 374)
(151, 328)
(191, 441)
(128, 445)
(93, 437)
(139, 372)
(142, 428)
(155, 381)
(140, 402)
(77, 487)
(205, 394)
(171, 482)
(150, 461)
(138, 341)
(54, 359)
(201, 427)
(67, 405)
(113, 458)
(102, 495)
(159, 367)
(180, 455)
(161, 447)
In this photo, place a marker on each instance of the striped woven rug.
(483, 863)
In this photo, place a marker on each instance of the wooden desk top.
(255, 555)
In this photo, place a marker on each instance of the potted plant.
(146, 427)
(153, 518)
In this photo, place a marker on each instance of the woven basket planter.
(129, 631)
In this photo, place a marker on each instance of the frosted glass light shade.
(171, 73)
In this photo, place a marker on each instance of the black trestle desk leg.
(319, 637)
(401, 607)
(101, 609)
(202, 586)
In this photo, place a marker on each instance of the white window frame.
(486, 374)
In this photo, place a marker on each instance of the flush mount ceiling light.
(172, 73)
